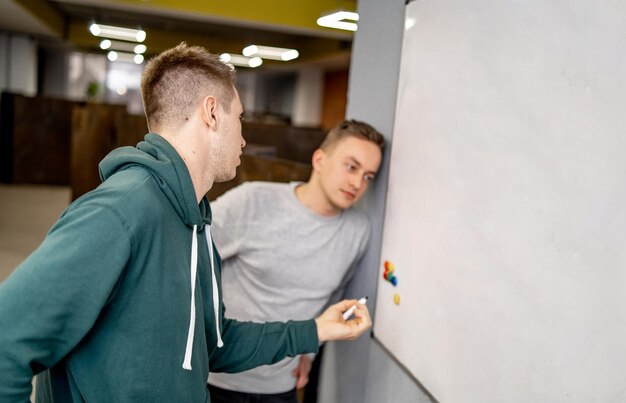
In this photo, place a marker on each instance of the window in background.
(122, 85)
(87, 75)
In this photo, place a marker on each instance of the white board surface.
(506, 207)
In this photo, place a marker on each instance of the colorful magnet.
(388, 274)
(388, 265)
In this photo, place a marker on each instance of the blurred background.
(70, 73)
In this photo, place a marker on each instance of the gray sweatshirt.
(281, 261)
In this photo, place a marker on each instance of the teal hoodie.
(108, 301)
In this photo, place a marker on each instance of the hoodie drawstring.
(192, 311)
(192, 314)
(216, 296)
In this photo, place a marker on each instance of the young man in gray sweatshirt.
(288, 251)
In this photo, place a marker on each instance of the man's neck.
(313, 198)
(196, 165)
(199, 176)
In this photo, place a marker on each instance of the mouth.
(348, 195)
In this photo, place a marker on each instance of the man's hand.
(332, 326)
(302, 371)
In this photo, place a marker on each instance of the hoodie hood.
(160, 159)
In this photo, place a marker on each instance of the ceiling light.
(123, 46)
(241, 60)
(337, 20)
(289, 55)
(269, 52)
(124, 34)
(125, 57)
(139, 49)
(255, 62)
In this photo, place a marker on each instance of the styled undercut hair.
(174, 82)
(352, 128)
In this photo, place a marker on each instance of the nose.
(356, 182)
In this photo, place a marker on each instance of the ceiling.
(219, 25)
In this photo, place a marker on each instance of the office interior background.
(66, 102)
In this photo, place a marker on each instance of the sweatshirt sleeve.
(248, 345)
(53, 298)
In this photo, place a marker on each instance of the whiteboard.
(506, 207)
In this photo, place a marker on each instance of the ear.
(209, 112)
(318, 159)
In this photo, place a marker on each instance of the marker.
(347, 314)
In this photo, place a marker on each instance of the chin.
(343, 204)
(225, 177)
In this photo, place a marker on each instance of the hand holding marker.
(347, 314)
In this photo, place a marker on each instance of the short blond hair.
(352, 128)
(175, 81)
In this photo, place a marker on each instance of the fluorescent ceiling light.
(241, 60)
(337, 20)
(124, 57)
(123, 46)
(269, 52)
(124, 34)
(139, 49)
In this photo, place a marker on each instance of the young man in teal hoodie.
(122, 300)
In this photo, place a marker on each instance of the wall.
(335, 98)
(360, 371)
(246, 85)
(274, 93)
(54, 74)
(4, 48)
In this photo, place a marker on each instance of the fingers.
(332, 326)
(301, 372)
(345, 304)
(302, 381)
(361, 323)
(361, 312)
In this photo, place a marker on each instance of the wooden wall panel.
(36, 136)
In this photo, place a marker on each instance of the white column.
(21, 65)
(247, 86)
(307, 102)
